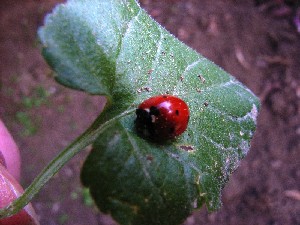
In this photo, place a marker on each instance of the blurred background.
(256, 41)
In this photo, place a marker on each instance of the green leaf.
(113, 48)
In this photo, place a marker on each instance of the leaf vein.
(126, 32)
(141, 161)
(181, 161)
(219, 85)
(216, 144)
(191, 66)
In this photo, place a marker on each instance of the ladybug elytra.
(162, 118)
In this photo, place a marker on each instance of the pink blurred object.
(10, 190)
(10, 152)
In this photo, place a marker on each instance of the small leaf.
(113, 48)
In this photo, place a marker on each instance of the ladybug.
(162, 118)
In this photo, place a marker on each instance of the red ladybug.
(162, 118)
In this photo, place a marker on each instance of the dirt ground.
(256, 41)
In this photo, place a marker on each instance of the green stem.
(87, 138)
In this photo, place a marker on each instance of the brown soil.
(257, 43)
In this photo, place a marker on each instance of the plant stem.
(85, 139)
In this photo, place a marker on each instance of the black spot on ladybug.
(154, 111)
(177, 112)
(164, 96)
